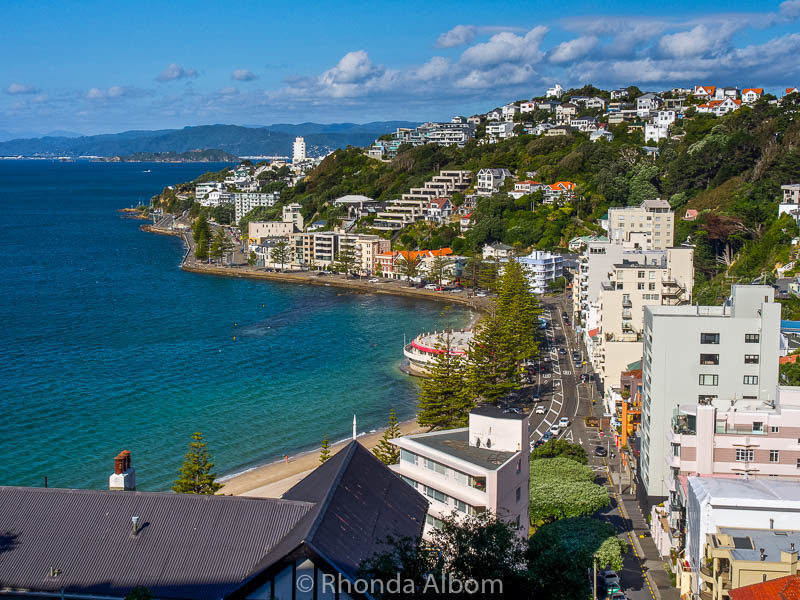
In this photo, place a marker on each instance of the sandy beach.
(272, 480)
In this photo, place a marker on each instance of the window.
(435, 494)
(798, 463)
(519, 494)
(751, 379)
(751, 338)
(758, 427)
(652, 275)
(640, 285)
(709, 379)
(709, 338)
(702, 398)
(461, 506)
(640, 274)
(709, 359)
(751, 359)
(407, 456)
(774, 456)
(434, 522)
(744, 454)
(410, 482)
(773, 429)
(676, 449)
(651, 286)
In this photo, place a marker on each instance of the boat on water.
(147, 171)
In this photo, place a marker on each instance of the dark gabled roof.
(359, 504)
(202, 547)
(187, 546)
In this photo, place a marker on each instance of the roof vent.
(135, 521)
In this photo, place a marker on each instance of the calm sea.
(106, 345)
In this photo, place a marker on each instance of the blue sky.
(93, 67)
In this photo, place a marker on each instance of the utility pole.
(594, 581)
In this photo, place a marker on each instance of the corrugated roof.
(187, 546)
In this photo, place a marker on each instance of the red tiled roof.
(756, 90)
(788, 359)
(707, 89)
(529, 182)
(783, 588)
(593, 332)
(791, 90)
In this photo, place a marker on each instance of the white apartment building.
(298, 150)
(541, 268)
(211, 193)
(259, 230)
(554, 92)
(244, 202)
(595, 263)
(649, 225)
(501, 130)
(292, 214)
(320, 249)
(497, 251)
(710, 354)
(642, 278)
(483, 467)
(790, 201)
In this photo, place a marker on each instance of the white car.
(563, 422)
(555, 429)
(374, 280)
(539, 410)
(430, 286)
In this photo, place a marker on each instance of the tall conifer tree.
(195, 474)
(388, 453)
(444, 397)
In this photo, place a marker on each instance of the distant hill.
(172, 157)
(234, 139)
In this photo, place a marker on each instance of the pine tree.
(491, 371)
(195, 474)
(518, 313)
(325, 451)
(281, 253)
(444, 397)
(202, 233)
(388, 453)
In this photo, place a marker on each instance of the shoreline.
(271, 480)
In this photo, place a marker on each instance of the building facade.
(649, 225)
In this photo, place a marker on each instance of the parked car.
(618, 596)
(535, 396)
(540, 410)
(481, 294)
(562, 351)
(600, 451)
(547, 436)
(430, 286)
(555, 429)
(374, 280)
(563, 422)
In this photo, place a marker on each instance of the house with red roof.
(691, 214)
(705, 91)
(751, 95)
(783, 588)
(560, 190)
(793, 90)
(439, 210)
(389, 261)
(720, 107)
(465, 223)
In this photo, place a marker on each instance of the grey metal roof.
(187, 546)
(748, 543)
(455, 442)
(203, 547)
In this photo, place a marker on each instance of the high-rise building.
(703, 355)
(648, 226)
(298, 150)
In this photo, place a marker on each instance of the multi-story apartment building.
(639, 279)
(694, 354)
(443, 134)
(298, 150)
(483, 467)
(541, 268)
(320, 249)
(595, 263)
(649, 225)
(260, 230)
(496, 131)
(244, 202)
(415, 205)
(292, 214)
(790, 201)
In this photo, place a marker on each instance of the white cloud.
(699, 40)
(435, 68)
(506, 47)
(354, 67)
(228, 91)
(567, 52)
(20, 88)
(95, 94)
(243, 75)
(174, 71)
(457, 36)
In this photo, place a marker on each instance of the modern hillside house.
(64, 543)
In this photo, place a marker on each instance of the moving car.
(562, 351)
(547, 436)
(374, 280)
(539, 410)
(430, 286)
(563, 422)
(555, 429)
(600, 451)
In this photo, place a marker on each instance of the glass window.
(709, 359)
(751, 338)
(461, 506)
(652, 286)
(408, 456)
(751, 379)
(410, 482)
(774, 429)
(640, 285)
(774, 456)
(751, 359)
(744, 454)
(640, 274)
(758, 426)
(652, 274)
(434, 522)
(709, 338)
(709, 379)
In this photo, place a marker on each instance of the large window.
(407, 456)
(751, 338)
(750, 380)
(434, 522)
(774, 456)
(435, 494)
(709, 338)
(744, 454)
(432, 465)
(709, 379)
(751, 359)
(709, 359)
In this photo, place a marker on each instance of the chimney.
(124, 476)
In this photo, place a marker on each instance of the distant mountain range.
(234, 139)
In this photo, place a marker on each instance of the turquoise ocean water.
(106, 345)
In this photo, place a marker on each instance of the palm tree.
(409, 266)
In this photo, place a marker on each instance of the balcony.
(626, 314)
(626, 303)
(684, 424)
